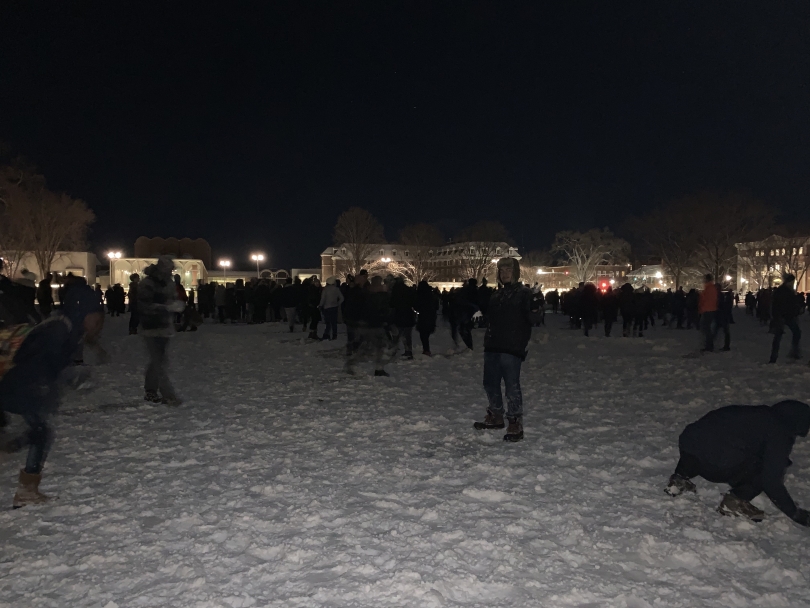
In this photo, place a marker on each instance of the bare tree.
(584, 251)
(419, 241)
(720, 221)
(670, 236)
(15, 206)
(358, 231)
(56, 223)
(483, 244)
(532, 261)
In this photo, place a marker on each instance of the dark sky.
(254, 125)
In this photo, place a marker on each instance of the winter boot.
(172, 401)
(427, 353)
(492, 421)
(678, 485)
(381, 372)
(313, 335)
(133, 331)
(731, 505)
(514, 431)
(152, 397)
(28, 490)
(407, 355)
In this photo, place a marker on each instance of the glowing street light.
(113, 255)
(257, 257)
(385, 260)
(225, 264)
(658, 275)
(728, 277)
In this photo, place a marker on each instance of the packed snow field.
(283, 482)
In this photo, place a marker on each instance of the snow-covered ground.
(283, 482)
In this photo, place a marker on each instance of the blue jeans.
(330, 315)
(497, 367)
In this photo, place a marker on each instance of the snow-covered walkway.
(283, 482)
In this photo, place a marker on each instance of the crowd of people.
(746, 447)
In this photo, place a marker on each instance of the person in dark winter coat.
(464, 306)
(747, 447)
(45, 296)
(353, 304)
(627, 305)
(610, 309)
(403, 299)
(290, 299)
(785, 310)
(510, 327)
(42, 363)
(374, 315)
(427, 305)
(134, 319)
(588, 306)
(157, 304)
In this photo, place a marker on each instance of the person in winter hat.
(157, 305)
(31, 387)
(510, 326)
(747, 447)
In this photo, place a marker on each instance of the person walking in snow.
(371, 330)
(510, 326)
(747, 447)
(707, 307)
(427, 305)
(45, 296)
(157, 304)
(403, 299)
(134, 319)
(41, 364)
(785, 311)
(331, 299)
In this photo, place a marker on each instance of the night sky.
(255, 125)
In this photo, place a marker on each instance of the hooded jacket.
(31, 386)
(510, 316)
(157, 299)
(739, 438)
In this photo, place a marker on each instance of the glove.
(802, 518)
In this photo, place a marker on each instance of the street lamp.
(113, 255)
(728, 277)
(225, 264)
(257, 257)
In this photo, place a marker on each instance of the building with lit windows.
(760, 264)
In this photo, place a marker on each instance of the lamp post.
(225, 264)
(113, 255)
(257, 257)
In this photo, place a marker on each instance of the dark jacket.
(376, 309)
(353, 303)
(31, 386)
(156, 299)
(785, 305)
(291, 296)
(427, 305)
(510, 318)
(403, 299)
(739, 437)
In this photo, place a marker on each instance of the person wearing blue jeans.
(511, 318)
(503, 367)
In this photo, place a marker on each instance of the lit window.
(801, 250)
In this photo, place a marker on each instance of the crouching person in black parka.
(747, 447)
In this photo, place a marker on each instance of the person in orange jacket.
(707, 307)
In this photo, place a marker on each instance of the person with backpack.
(30, 385)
